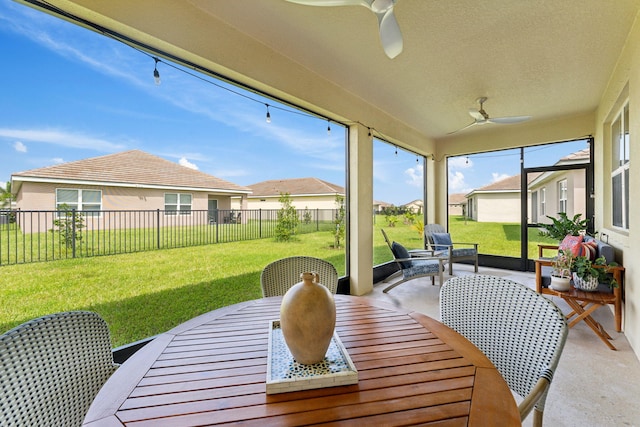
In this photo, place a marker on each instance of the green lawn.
(146, 293)
(143, 294)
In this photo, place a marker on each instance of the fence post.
(73, 233)
(317, 219)
(158, 227)
(260, 222)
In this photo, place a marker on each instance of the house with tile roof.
(306, 193)
(129, 180)
(457, 203)
(497, 202)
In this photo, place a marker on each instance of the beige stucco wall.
(299, 202)
(497, 207)
(576, 189)
(624, 83)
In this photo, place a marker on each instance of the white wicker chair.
(280, 275)
(52, 367)
(520, 331)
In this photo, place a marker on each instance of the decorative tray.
(284, 374)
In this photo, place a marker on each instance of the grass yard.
(146, 293)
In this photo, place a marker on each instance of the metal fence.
(35, 236)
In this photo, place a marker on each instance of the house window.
(177, 202)
(620, 169)
(543, 201)
(562, 196)
(80, 200)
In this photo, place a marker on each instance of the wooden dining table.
(211, 370)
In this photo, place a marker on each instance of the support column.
(360, 210)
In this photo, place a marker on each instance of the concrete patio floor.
(593, 385)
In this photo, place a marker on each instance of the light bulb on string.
(467, 161)
(268, 114)
(396, 151)
(328, 127)
(156, 73)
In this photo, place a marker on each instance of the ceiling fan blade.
(461, 129)
(390, 35)
(332, 2)
(508, 120)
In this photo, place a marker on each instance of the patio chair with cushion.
(439, 241)
(52, 367)
(519, 330)
(278, 276)
(413, 267)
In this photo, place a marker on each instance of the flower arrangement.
(563, 264)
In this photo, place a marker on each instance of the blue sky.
(68, 94)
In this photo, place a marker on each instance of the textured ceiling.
(545, 59)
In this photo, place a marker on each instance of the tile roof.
(457, 198)
(295, 187)
(133, 167)
(510, 183)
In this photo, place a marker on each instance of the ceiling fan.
(390, 34)
(481, 117)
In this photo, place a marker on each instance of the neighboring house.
(414, 206)
(306, 193)
(560, 191)
(457, 204)
(497, 202)
(130, 180)
(379, 206)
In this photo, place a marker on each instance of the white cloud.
(57, 160)
(460, 163)
(19, 147)
(184, 162)
(62, 138)
(495, 177)
(457, 183)
(415, 176)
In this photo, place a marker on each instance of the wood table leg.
(584, 313)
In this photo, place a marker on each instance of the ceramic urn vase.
(307, 319)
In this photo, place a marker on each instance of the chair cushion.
(400, 252)
(421, 268)
(463, 252)
(441, 239)
(571, 243)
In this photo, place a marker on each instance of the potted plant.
(563, 226)
(561, 273)
(588, 274)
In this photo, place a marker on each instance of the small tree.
(287, 219)
(338, 222)
(69, 225)
(5, 196)
(306, 216)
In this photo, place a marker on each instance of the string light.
(328, 127)
(369, 132)
(268, 114)
(396, 151)
(156, 73)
